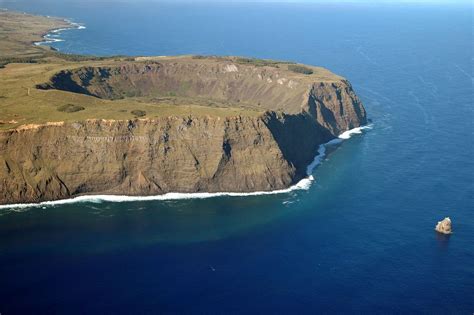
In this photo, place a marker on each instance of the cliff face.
(324, 95)
(147, 157)
(176, 154)
(335, 106)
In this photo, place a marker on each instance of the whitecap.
(303, 184)
(57, 32)
(347, 134)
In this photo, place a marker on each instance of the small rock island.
(73, 125)
(444, 226)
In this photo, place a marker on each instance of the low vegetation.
(19, 31)
(28, 94)
(300, 69)
(70, 108)
(257, 62)
(260, 62)
(6, 60)
(200, 57)
(78, 58)
(138, 112)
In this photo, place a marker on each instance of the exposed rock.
(444, 226)
(326, 96)
(177, 153)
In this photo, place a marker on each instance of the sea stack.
(444, 226)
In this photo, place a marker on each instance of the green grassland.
(21, 103)
(23, 66)
(19, 31)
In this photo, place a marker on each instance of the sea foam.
(303, 184)
(56, 32)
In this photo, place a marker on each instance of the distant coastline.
(264, 134)
(52, 36)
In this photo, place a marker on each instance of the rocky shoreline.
(203, 124)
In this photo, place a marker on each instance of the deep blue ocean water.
(360, 240)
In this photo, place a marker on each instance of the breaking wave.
(51, 37)
(303, 184)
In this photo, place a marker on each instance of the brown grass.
(21, 103)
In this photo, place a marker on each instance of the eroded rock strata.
(185, 153)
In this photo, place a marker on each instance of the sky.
(420, 2)
(345, 1)
(287, 1)
(328, 1)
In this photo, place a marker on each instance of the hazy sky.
(287, 1)
(339, 1)
(435, 2)
(327, 1)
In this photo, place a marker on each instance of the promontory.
(73, 125)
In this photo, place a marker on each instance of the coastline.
(48, 36)
(303, 184)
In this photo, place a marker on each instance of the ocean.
(360, 239)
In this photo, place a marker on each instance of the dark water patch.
(361, 239)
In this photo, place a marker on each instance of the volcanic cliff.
(288, 111)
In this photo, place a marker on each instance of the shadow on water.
(442, 240)
(95, 227)
(98, 227)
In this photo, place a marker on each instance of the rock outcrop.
(444, 226)
(325, 96)
(179, 153)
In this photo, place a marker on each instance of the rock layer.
(178, 153)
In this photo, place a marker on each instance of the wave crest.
(56, 32)
(303, 184)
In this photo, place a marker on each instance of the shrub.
(208, 57)
(300, 69)
(260, 62)
(6, 60)
(77, 57)
(70, 108)
(138, 112)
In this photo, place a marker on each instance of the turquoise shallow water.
(361, 239)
